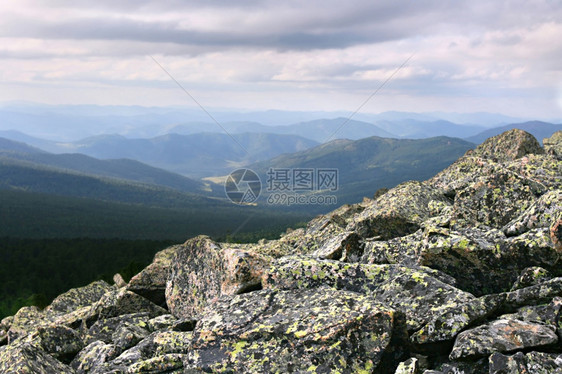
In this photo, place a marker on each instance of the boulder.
(531, 276)
(502, 335)
(520, 363)
(541, 214)
(120, 302)
(553, 145)
(495, 199)
(93, 356)
(77, 298)
(318, 330)
(416, 292)
(26, 358)
(203, 270)
(510, 145)
(399, 212)
(151, 281)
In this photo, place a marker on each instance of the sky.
(373, 56)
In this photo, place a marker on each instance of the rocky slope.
(457, 274)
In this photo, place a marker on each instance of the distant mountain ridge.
(368, 164)
(538, 129)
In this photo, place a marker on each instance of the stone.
(556, 234)
(509, 145)
(151, 281)
(531, 276)
(520, 363)
(62, 342)
(77, 298)
(542, 214)
(409, 366)
(399, 212)
(317, 330)
(347, 246)
(203, 270)
(502, 335)
(104, 329)
(93, 356)
(26, 358)
(120, 302)
(416, 292)
(553, 145)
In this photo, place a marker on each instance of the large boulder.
(553, 145)
(521, 363)
(151, 281)
(399, 212)
(416, 292)
(27, 358)
(319, 330)
(502, 335)
(77, 298)
(510, 145)
(204, 270)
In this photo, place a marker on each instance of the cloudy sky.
(465, 56)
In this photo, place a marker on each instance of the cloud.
(318, 49)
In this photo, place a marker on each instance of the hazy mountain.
(540, 130)
(369, 164)
(416, 129)
(74, 122)
(121, 168)
(8, 145)
(196, 155)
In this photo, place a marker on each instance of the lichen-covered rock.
(151, 281)
(104, 329)
(347, 246)
(61, 342)
(93, 356)
(409, 366)
(26, 358)
(553, 145)
(556, 234)
(319, 330)
(77, 298)
(502, 335)
(416, 292)
(169, 363)
(448, 325)
(531, 276)
(530, 363)
(399, 212)
(494, 200)
(541, 214)
(510, 145)
(25, 321)
(203, 270)
(119, 302)
(534, 295)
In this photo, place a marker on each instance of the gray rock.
(502, 335)
(151, 281)
(26, 358)
(77, 298)
(520, 363)
(553, 145)
(318, 330)
(203, 270)
(399, 212)
(93, 356)
(416, 292)
(510, 145)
